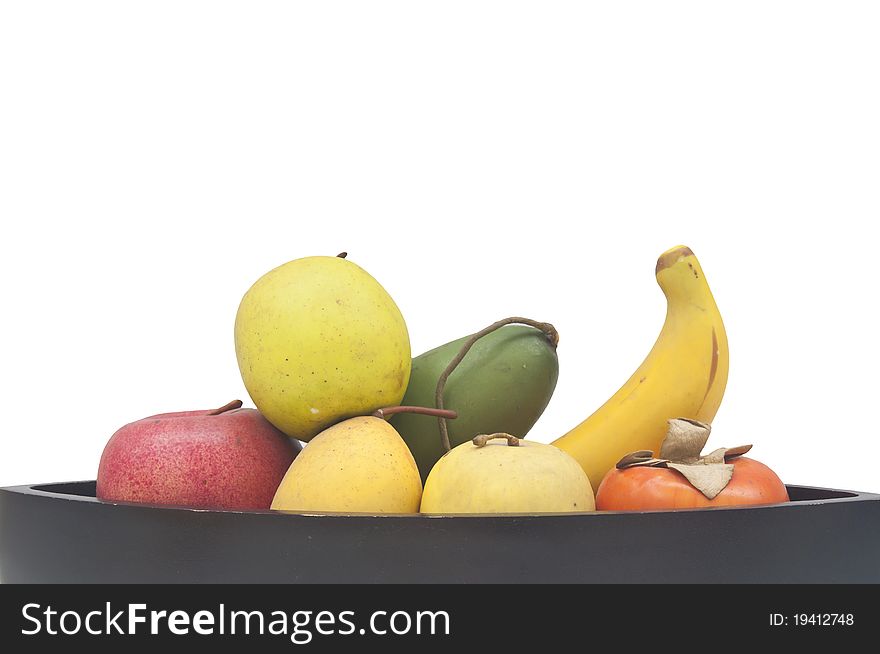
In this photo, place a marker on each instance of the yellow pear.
(517, 476)
(360, 465)
(319, 340)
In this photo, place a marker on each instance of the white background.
(479, 159)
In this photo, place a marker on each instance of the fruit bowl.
(61, 533)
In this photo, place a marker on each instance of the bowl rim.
(825, 496)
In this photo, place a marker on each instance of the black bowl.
(61, 533)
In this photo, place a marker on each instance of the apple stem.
(342, 255)
(483, 439)
(422, 410)
(235, 404)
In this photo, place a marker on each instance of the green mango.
(503, 384)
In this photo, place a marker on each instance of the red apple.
(226, 458)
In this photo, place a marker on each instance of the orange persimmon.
(645, 488)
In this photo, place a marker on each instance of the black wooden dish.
(61, 533)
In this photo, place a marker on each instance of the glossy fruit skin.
(528, 478)
(360, 465)
(234, 460)
(684, 375)
(648, 489)
(503, 384)
(319, 340)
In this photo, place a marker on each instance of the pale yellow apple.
(499, 478)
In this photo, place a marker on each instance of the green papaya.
(503, 385)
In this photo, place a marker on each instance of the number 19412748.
(812, 620)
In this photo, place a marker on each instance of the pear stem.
(235, 404)
(546, 327)
(422, 410)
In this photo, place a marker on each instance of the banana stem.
(545, 327)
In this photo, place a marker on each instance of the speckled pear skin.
(318, 340)
(360, 465)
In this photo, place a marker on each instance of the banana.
(684, 375)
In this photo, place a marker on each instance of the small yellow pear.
(360, 465)
(516, 476)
